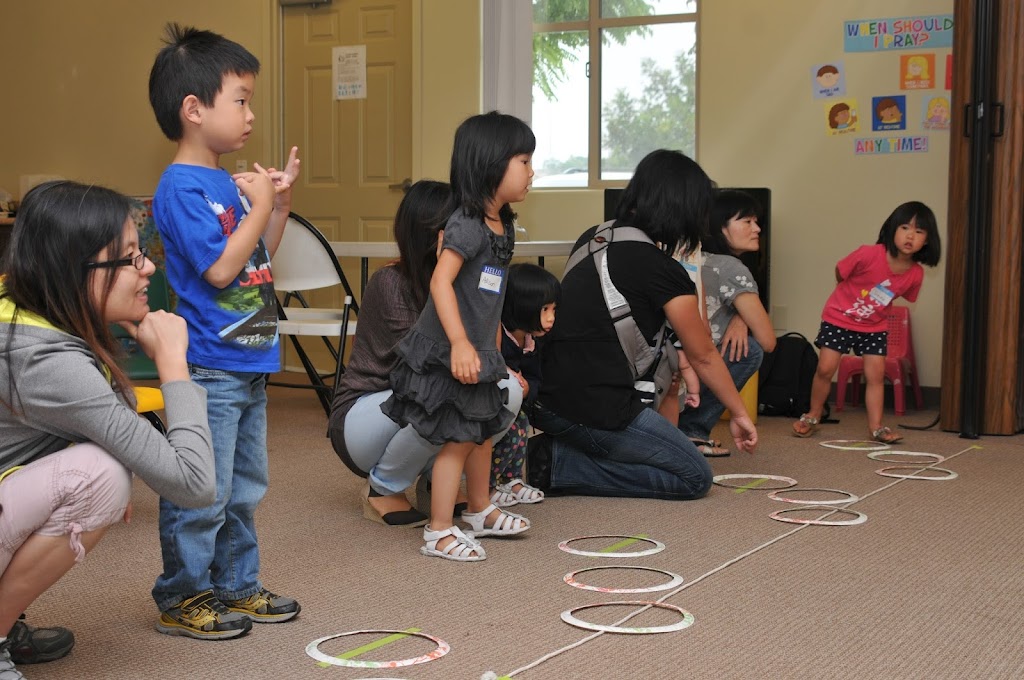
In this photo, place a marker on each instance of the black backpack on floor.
(785, 378)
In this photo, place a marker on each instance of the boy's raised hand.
(284, 179)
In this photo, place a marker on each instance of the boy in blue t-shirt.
(219, 233)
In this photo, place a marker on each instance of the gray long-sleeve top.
(61, 396)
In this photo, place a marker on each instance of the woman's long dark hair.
(669, 199)
(423, 212)
(60, 226)
(484, 145)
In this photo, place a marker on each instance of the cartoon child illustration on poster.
(827, 80)
(917, 71)
(889, 113)
(841, 117)
(936, 113)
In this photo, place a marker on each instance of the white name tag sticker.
(490, 279)
(882, 295)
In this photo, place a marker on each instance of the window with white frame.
(612, 81)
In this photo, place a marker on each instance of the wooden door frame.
(1001, 394)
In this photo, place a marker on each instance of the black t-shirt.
(587, 378)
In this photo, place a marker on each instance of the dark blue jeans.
(650, 458)
(697, 423)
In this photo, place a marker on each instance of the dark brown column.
(1000, 353)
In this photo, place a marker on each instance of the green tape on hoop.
(658, 546)
(685, 622)
(313, 650)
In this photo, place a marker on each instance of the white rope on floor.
(725, 565)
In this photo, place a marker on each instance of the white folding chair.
(304, 261)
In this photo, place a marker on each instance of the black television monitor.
(758, 262)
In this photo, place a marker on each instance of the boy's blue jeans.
(697, 423)
(215, 547)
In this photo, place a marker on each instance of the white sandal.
(527, 494)
(462, 549)
(506, 524)
(503, 497)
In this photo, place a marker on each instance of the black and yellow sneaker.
(203, 617)
(265, 607)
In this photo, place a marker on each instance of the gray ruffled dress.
(426, 395)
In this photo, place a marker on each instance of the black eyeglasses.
(139, 261)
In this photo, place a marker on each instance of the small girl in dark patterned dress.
(528, 314)
(446, 381)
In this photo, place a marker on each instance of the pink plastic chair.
(900, 365)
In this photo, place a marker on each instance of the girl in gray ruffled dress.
(446, 384)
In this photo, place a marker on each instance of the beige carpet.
(931, 586)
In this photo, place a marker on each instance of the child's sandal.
(462, 549)
(526, 494)
(505, 524)
(805, 427)
(886, 436)
(503, 497)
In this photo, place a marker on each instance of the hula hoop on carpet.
(859, 517)
(885, 472)
(720, 479)
(854, 445)
(313, 650)
(658, 547)
(570, 578)
(776, 496)
(685, 622)
(935, 458)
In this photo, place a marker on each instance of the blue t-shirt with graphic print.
(234, 328)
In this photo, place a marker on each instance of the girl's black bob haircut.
(484, 144)
(925, 219)
(728, 204)
(530, 287)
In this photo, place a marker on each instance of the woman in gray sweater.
(70, 438)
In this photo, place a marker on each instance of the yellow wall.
(446, 56)
(80, 71)
(76, 85)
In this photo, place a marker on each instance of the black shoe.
(538, 461)
(398, 518)
(38, 645)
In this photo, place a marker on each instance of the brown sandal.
(886, 436)
(805, 427)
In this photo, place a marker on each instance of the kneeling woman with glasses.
(70, 438)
